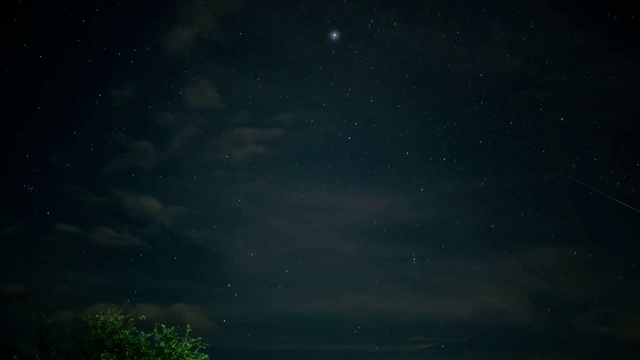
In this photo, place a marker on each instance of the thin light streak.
(601, 193)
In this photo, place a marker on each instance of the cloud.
(137, 154)
(628, 325)
(316, 216)
(177, 314)
(68, 229)
(180, 38)
(469, 290)
(243, 143)
(146, 216)
(242, 117)
(353, 347)
(608, 321)
(366, 270)
(106, 236)
(286, 222)
(12, 239)
(496, 291)
(124, 94)
(103, 236)
(87, 198)
(452, 303)
(202, 94)
(197, 20)
(286, 118)
(149, 208)
(166, 118)
(67, 290)
(183, 136)
(143, 154)
(11, 228)
(13, 292)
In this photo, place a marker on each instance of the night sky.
(327, 179)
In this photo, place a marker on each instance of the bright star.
(334, 35)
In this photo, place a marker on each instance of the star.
(334, 35)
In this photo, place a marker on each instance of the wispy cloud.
(365, 272)
(149, 208)
(179, 314)
(146, 216)
(202, 93)
(103, 236)
(609, 321)
(134, 154)
(196, 20)
(14, 292)
(106, 236)
(351, 347)
(243, 143)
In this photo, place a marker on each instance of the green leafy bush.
(110, 335)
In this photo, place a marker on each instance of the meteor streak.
(601, 193)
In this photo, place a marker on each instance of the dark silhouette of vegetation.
(110, 335)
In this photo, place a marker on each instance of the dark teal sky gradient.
(394, 194)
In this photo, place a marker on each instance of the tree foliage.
(111, 335)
